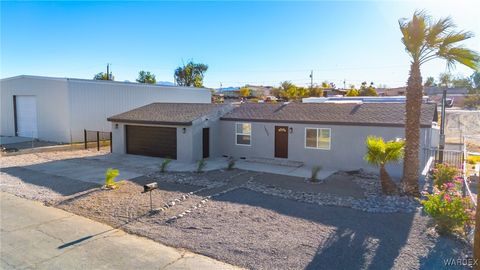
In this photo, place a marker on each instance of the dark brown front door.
(152, 141)
(206, 142)
(281, 141)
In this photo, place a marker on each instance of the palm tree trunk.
(412, 131)
(388, 186)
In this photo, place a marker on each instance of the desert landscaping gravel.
(240, 218)
(259, 231)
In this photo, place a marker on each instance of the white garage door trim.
(26, 116)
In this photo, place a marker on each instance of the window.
(243, 133)
(318, 138)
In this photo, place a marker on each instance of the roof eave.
(146, 122)
(321, 122)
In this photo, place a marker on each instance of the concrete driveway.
(40, 237)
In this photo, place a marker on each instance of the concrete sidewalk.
(34, 236)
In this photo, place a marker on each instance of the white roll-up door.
(26, 116)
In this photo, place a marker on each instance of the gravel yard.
(259, 231)
(254, 220)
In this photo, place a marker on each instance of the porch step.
(274, 161)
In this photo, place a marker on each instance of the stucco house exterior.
(59, 109)
(330, 135)
(182, 131)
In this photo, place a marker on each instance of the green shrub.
(110, 176)
(163, 166)
(200, 165)
(231, 164)
(315, 171)
(450, 212)
(443, 174)
(473, 160)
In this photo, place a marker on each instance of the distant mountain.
(165, 83)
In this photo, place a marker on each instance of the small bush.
(231, 164)
(110, 176)
(473, 160)
(163, 166)
(443, 174)
(450, 212)
(315, 171)
(201, 165)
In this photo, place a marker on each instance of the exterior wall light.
(291, 130)
(184, 130)
(116, 126)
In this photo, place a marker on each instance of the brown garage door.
(152, 141)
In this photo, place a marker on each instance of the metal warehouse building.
(59, 109)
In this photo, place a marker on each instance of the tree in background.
(429, 82)
(445, 79)
(380, 153)
(353, 92)
(367, 90)
(146, 77)
(303, 92)
(102, 76)
(472, 102)
(462, 82)
(316, 92)
(424, 40)
(476, 79)
(190, 74)
(325, 84)
(245, 92)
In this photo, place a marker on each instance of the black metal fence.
(97, 138)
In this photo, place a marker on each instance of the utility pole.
(108, 71)
(344, 84)
(311, 79)
(442, 127)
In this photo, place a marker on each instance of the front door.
(206, 142)
(281, 141)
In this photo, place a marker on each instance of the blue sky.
(242, 42)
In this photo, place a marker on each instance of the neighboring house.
(181, 131)
(398, 91)
(59, 109)
(436, 90)
(316, 134)
(229, 92)
(259, 90)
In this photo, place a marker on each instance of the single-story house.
(181, 131)
(59, 109)
(330, 135)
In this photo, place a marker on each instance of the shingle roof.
(166, 113)
(370, 114)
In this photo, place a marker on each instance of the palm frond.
(455, 37)
(380, 152)
(394, 151)
(435, 31)
(461, 55)
(414, 32)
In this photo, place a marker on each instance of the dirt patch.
(124, 204)
(37, 158)
(341, 185)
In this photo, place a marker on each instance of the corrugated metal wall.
(51, 96)
(91, 102)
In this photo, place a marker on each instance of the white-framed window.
(243, 134)
(318, 138)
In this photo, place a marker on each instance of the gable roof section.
(182, 114)
(366, 114)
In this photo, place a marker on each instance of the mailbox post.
(148, 188)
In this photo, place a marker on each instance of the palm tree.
(425, 40)
(379, 153)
